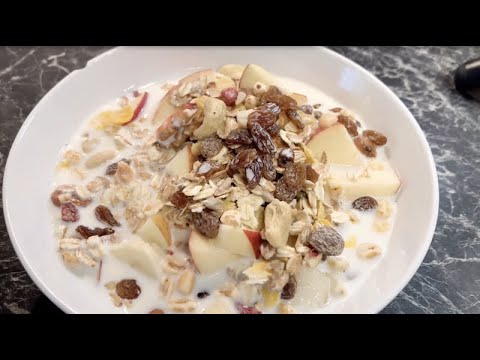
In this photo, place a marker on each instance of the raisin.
(262, 117)
(55, 197)
(288, 103)
(239, 137)
(208, 168)
(365, 146)
(210, 146)
(307, 109)
(327, 241)
(272, 108)
(86, 232)
(179, 199)
(262, 139)
(253, 173)
(112, 168)
(273, 130)
(104, 215)
(349, 124)
(312, 175)
(69, 212)
(241, 160)
(336, 109)
(288, 291)
(295, 118)
(229, 96)
(268, 169)
(365, 203)
(247, 309)
(203, 294)
(286, 156)
(207, 223)
(295, 175)
(317, 114)
(272, 95)
(157, 311)
(283, 192)
(375, 137)
(128, 289)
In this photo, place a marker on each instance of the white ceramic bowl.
(29, 169)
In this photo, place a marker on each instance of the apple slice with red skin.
(238, 241)
(165, 109)
(206, 256)
(142, 100)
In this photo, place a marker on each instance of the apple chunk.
(207, 257)
(139, 104)
(165, 109)
(139, 255)
(156, 231)
(182, 163)
(253, 74)
(233, 71)
(382, 180)
(337, 144)
(238, 241)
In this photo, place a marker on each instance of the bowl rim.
(394, 291)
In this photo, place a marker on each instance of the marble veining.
(448, 281)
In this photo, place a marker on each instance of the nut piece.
(99, 158)
(186, 281)
(250, 102)
(368, 250)
(338, 264)
(214, 118)
(278, 218)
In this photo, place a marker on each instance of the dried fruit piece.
(241, 160)
(128, 289)
(288, 291)
(312, 175)
(104, 215)
(86, 232)
(157, 311)
(247, 309)
(273, 95)
(272, 108)
(112, 168)
(375, 137)
(336, 109)
(208, 168)
(349, 124)
(307, 109)
(253, 173)
(262, 139)
(365, 146)
(365, 203)
(203, 294)
(268, 169)
(283, 192)
(264, 118)
(229, 96)
(294, 175)
(273, 130)
(207, 223)
(295, 118)
(286, 157)
(210, 146)
(327, 241)
(179, 199)
(239, 137)
(69, 212)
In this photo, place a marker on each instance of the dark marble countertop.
(447, 281)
